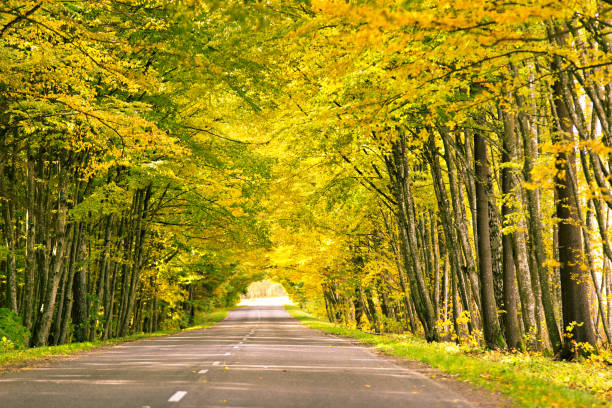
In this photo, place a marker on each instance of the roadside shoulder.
(16, 360)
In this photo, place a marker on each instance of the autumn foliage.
(437, 167)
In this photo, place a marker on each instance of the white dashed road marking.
(177, 396)
(202, 371)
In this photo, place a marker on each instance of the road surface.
(258, 357)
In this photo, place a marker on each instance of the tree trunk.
(536, 238)
(30, 259)
(102, 278)
(8, 213)
(447, 221)
(48, 306)
(575, 291)
(401, 273)
(407, 224)
(80, 309)
(66, 316)
(138, 258)
(461, 218)
(492, 332)
(513, 337)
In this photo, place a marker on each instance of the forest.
(441, 168)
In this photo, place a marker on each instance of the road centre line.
(216, 363)
(229, 336)
(320, 340)
(314, 367)
(177, 396)
(300, 346)
(202, 371)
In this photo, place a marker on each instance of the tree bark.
(30, 258)
(536, 238)
(575, 291)
(80, 310)
(447, 222)
(513, 337)
(66, 313)
(8, 213)
(407, 222)
(48, 306)
(492, 332)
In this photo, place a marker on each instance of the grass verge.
(22, 358)
(528, 380)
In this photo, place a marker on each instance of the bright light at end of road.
(269, 301)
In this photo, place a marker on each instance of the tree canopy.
(437, 167)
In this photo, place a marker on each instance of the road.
(258, 357)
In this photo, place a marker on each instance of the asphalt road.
(258, 357)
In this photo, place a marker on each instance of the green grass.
(528, 380)
(25, 357)
(208, 319)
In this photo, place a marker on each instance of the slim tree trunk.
(461, 219)
(407, 222)
(536, 237)
(492, 332)
(8, 212)
(80, 309)
(513, 338)
(30, 259)
(433, 228)
(138, 258)
(401, 273)
(523, 278)
(48, 307)
(447, 222)
(66, 315)
(103, 278)
(456, 307)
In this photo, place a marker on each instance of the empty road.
(258, 357)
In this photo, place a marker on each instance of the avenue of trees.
(122, 211)
(449, 164)
(438, 167)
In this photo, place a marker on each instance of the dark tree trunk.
(513, 337)
(80, 310)
(8, 213)
(406, 217)
(447, 222)
(68, 289)
(102, 278)
(492, 332)
(575, 291)
(41, 336)
(30, 258)
(140, 234)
